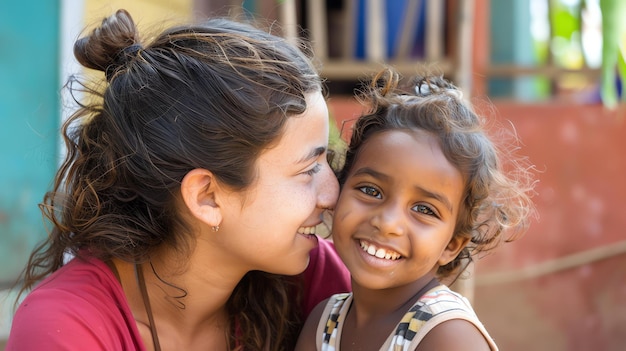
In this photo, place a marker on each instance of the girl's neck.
(369, 305)
(374, 314)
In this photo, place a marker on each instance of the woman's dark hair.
(495, 200)
(212, 96)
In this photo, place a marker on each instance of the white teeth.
(371, 250)
(306, 230)
(379, 252)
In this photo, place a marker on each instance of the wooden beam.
(502, 70)
(353, 70)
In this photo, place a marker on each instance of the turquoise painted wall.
(511, 43)
(29, 120)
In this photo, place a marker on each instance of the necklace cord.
(146, 301)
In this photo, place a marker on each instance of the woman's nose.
(328, 189)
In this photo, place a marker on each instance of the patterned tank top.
(436, 306)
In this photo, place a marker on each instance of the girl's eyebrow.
(431, 194)
(315, 153)
(371, 172)
(437, 196)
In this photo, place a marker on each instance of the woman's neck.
(187, 301)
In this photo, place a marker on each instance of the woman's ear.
(456, 244)
(199, 190)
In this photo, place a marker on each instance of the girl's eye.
(314, 170)
(424, 209)
(371, 191)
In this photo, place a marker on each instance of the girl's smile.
(379, 252)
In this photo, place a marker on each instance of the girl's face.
(396, 213)
(269, 226)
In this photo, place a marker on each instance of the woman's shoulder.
(326, 275)
(325, 256)
(85, 278)
(81, 302)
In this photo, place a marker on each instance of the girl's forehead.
(398, 137)
(404, 148)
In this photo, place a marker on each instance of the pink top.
(82, 306)
(326, 273)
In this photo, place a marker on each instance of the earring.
(215, 228)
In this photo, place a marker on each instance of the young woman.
(192, 188)
(422, 189)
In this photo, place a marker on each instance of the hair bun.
(121, 59)
(110, 45)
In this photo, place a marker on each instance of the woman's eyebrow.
(315, 153)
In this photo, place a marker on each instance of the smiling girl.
(422, 190)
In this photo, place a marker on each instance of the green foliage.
(565, 25)
(613, 32)
(565, 20)
(337, 145)
(565, 28)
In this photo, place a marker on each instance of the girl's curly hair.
(496, 204)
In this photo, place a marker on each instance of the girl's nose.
(389, 218)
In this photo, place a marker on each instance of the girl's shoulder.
(441, 299)
(323, 322)
(438, 309)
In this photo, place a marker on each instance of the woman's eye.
(424, 209)
(314, 170)
(371, 191)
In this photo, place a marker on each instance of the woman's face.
(395, 218)
(268, 227)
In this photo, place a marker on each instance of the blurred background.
(549, 68)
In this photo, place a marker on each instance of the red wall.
(547, 291)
